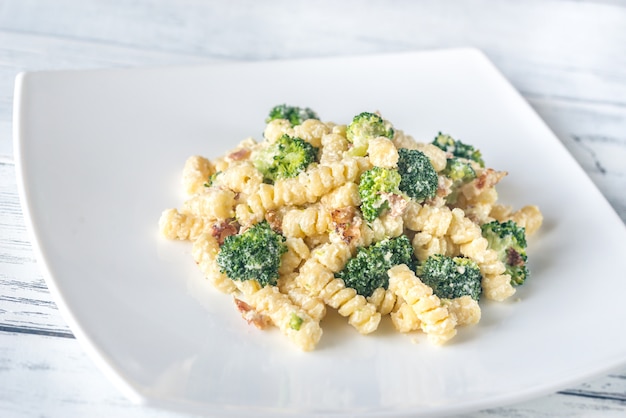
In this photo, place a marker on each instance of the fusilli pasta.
(310, 213)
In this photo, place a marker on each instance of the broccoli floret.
(286, 157)
(375, 188)
(451, 277)
(458, 148)
(418, 177)
(253, 254)
(366, 126)
(367, 270)
(461, 172)
(295, 115)
(509, 241)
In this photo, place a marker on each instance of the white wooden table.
(568, 58)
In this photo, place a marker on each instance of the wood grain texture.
(568, 59)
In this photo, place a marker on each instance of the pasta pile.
(318, 213)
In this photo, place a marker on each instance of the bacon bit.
(397, 204)
(222, 229)
(240, 154)
(489, 178)
(274, 220)
(251, 316)
(514, 258)
(347, 223)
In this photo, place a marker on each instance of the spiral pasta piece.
(312, 131)
(277, 128)
(297, 251)
(213, 203)
(382, 153)
(529, 217)
(435, 320)
(292, 320)
(256, 205)
(384, 300)
(181, 226)
(434, 221)
(464, 309)
(314, 306)
(310, 221)
(332, 255)
(241, 177)
(334, 145)
(404, 318)
(321, 282)
(315, 182)
(196, 173)
(204, 251)
(425, 245)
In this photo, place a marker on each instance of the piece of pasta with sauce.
(312, 184)
(312, 131)
(314, 306)
(382, 153)
(256, 205)
(495, 283)
(293, 321)
(297, 252)
(204, 252)
(310, 221)
(196, 173)
(384, 300)
(464, 309)
(242, 177)
(321, 282)
(434, 221)
(425, 245)
(181, 226)
(334, 146)
(404, 318)
(213, 203)
(435, 319)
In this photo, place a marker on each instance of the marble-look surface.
(567, 58)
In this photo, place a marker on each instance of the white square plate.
(99, 156)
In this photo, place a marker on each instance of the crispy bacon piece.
(489, 178)
(222, 229)
(251, 316)
(397, 204)
(274, 220)
(240, 154)
(347, 223)
(514, 258)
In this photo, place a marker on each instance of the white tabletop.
(567, 58)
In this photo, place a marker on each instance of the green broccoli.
(451, 277)
(509, 241)
(366, 126)
(458, 148)
(367, 270)
(418, 177)
(460, 171)
(286, 157)
(253, 254)
(295, 115)
(375, 188)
